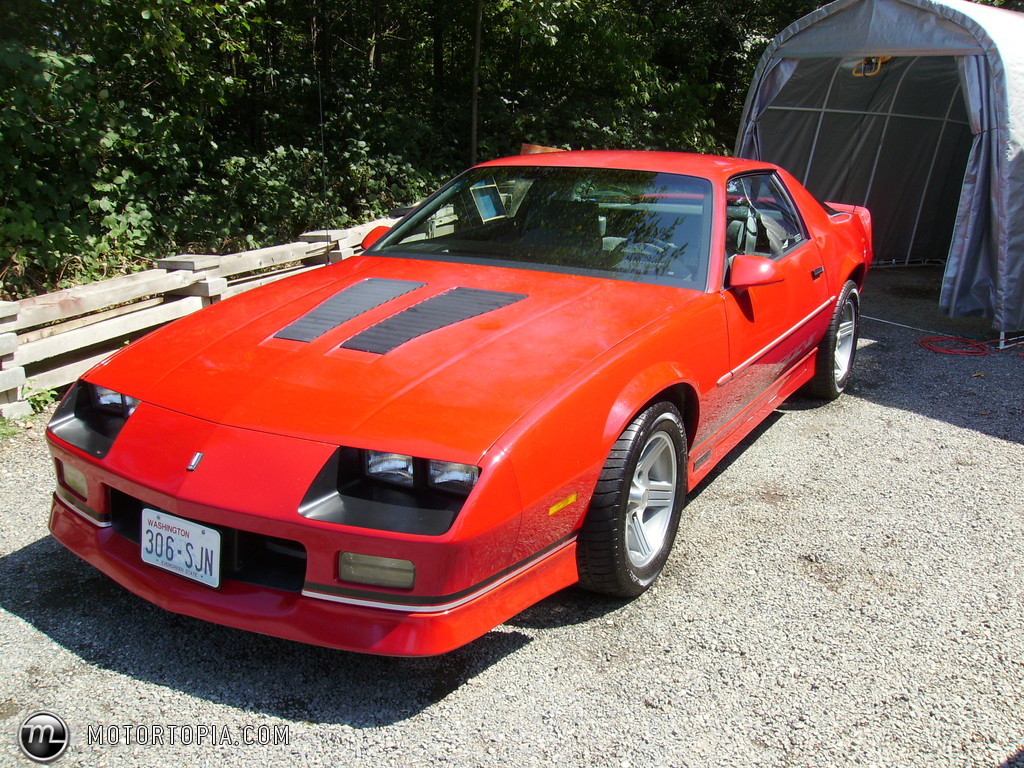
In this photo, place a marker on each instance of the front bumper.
(317, 617)
(279, 569)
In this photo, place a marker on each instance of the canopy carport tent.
(914, 108)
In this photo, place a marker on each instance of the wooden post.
(206, 285)
(12, 377)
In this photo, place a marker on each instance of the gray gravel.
(847, 590)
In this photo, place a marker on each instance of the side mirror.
(373, 236)
(748, 271)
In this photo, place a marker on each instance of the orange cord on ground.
(958, 345)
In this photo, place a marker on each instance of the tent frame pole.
(958, 91)
(885, 131)
(862, 113)
(821, 118)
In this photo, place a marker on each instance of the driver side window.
(760, 219)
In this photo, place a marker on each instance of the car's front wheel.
(839, 347)
(629, 529)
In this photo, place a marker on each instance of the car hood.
(332, 355)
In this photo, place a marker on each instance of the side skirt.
(705, 457)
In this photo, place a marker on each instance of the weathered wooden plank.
(323, 236)
(247, 284)
(83, 299)
(8, 315)
(193, 262)
(18, 409)
(11, 378)
(351, 236)
(98, 317)
(79, 290)
(319, 257)
(345, 252)
(67, 373)
(207, 287)
(97, 333)
(249, 261)
(8, 343)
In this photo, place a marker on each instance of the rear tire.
(838, 349)
(629, 529)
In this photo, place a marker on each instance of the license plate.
(181, 546)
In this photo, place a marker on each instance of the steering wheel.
(652, 247)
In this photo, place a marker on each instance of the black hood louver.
(345, 305)
(435, 313)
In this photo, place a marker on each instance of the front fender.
(666, 378)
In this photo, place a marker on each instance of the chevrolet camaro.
(512, 390)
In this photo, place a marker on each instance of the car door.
(771, 327)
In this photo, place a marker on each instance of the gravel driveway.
(847, 590)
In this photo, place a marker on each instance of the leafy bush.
(133, 129)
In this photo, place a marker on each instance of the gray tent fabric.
(914, 108)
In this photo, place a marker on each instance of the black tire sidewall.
(824, 384)
(849, 294)
(665, 420)
(602, 553)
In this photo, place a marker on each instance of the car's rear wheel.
(629, 529)
(839, 347)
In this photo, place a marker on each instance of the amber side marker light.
(377, 571)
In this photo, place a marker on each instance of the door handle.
(817, 272)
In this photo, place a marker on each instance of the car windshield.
(628, 225)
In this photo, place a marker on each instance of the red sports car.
(512, 391)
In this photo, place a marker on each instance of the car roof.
(707, 166)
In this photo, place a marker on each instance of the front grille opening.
(252, 558)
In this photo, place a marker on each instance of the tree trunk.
(377, 35)
(437, 30)
(473, 113)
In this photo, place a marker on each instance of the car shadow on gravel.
(569, 606)
(108, 627)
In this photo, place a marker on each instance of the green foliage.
(133, 129)
(40, 399)
(8, 429)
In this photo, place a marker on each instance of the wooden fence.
(49, 341)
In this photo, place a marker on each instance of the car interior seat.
(742, 231)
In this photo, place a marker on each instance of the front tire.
(629, 529)
(838, 349)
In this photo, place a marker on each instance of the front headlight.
(450, 476)
(389, 491)
(114, 402)
(90, 417)
(411, 472)
(390, 468)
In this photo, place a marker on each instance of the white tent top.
(985, 263)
